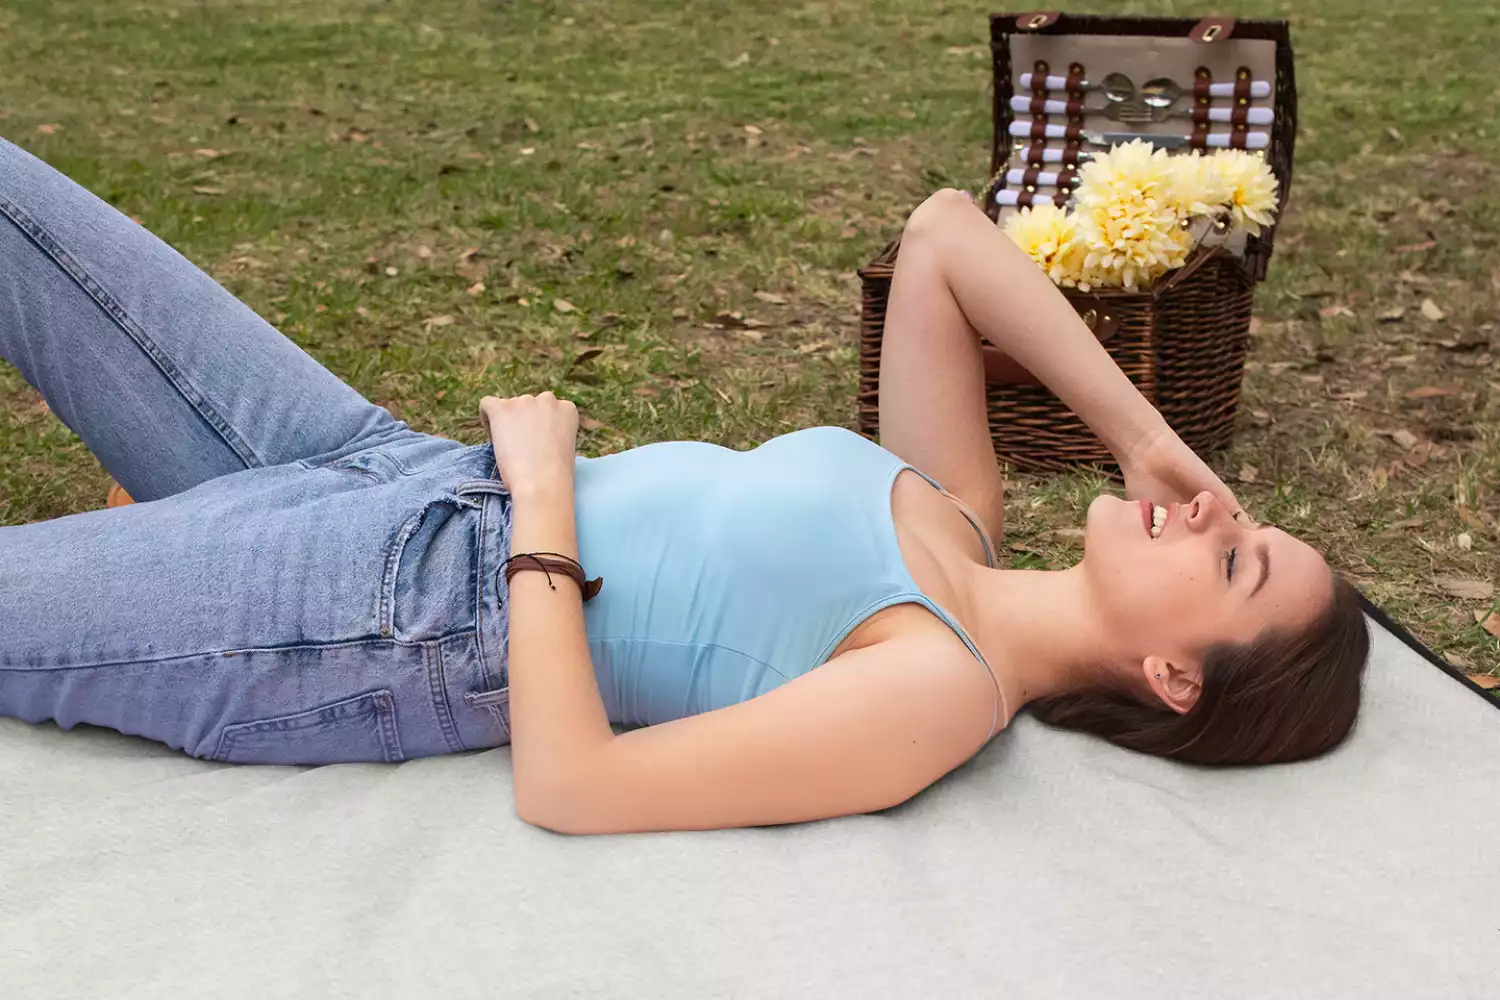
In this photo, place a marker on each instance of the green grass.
(656, 164)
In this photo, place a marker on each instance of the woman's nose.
(1203, 510)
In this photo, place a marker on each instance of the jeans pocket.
(354, 730)
(497, 703)
(429, 584)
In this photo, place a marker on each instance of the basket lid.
(1207, 58)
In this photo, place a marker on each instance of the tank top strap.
(963, 508)
(935, 608)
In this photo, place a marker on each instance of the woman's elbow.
(554, 807)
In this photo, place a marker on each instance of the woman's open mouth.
(1155, 518)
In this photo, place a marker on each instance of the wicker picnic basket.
(1182, 342)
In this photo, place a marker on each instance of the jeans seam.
(437, 678)
(234, 651)
(479, 619)
(390, 734)
(116, 312)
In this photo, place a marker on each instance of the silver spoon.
(1118, 88)
(1159, 95)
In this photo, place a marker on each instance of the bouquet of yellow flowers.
(1135, 212)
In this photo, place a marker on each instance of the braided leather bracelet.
(562, 564)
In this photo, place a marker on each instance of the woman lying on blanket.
(812, 628)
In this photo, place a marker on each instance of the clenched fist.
(535, 439)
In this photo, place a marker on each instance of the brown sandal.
(117, 496)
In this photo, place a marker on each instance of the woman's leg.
(167, 377)
(314, 581)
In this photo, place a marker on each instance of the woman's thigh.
(168, 378)
(298, 614)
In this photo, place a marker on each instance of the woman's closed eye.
(1229, 559)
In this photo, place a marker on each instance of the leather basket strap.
(1212, 29)
(1036, 20)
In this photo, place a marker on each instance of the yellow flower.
(1129, 243)
(1197, 186)
(1129, 217)
(1047, 234)
(1251, 187)
(1134, 172)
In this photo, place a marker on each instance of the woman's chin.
(1101, 512)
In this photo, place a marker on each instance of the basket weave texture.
(1181, 342)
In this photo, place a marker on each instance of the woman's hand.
(1163, 468)
(535, 439)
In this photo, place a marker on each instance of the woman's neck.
(1036, 629)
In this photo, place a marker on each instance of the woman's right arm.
(1013, 305)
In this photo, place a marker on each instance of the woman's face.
(1206, 578)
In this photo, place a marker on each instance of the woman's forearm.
(558, 720)
(1013, 305)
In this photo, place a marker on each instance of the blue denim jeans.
(303, 580)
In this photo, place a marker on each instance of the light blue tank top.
(728, 573)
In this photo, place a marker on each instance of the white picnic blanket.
(1050, 865)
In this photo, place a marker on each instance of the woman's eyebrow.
(1264, 553)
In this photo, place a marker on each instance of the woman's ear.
(1177, 684)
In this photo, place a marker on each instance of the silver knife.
(1215, 140)
(1116, 138)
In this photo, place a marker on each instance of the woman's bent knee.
(930, 216)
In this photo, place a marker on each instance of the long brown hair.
(1288, 695)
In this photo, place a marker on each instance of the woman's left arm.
(866, 730)
(558, 720)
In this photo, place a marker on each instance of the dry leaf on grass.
(1417, 457)
(1489, 621)
(771, 297)
(1466, 587)
(1468, 517)
(1486, 681)
(48, 129)
(1337, 309)
(589, 423)
(475, 288)
(1249, 473)
(563, 305)
(432, 321)
(1392, 315)
(1465, 540)
(1404, 438)
(1430, 391)
(205, 189)
(1431, 311)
